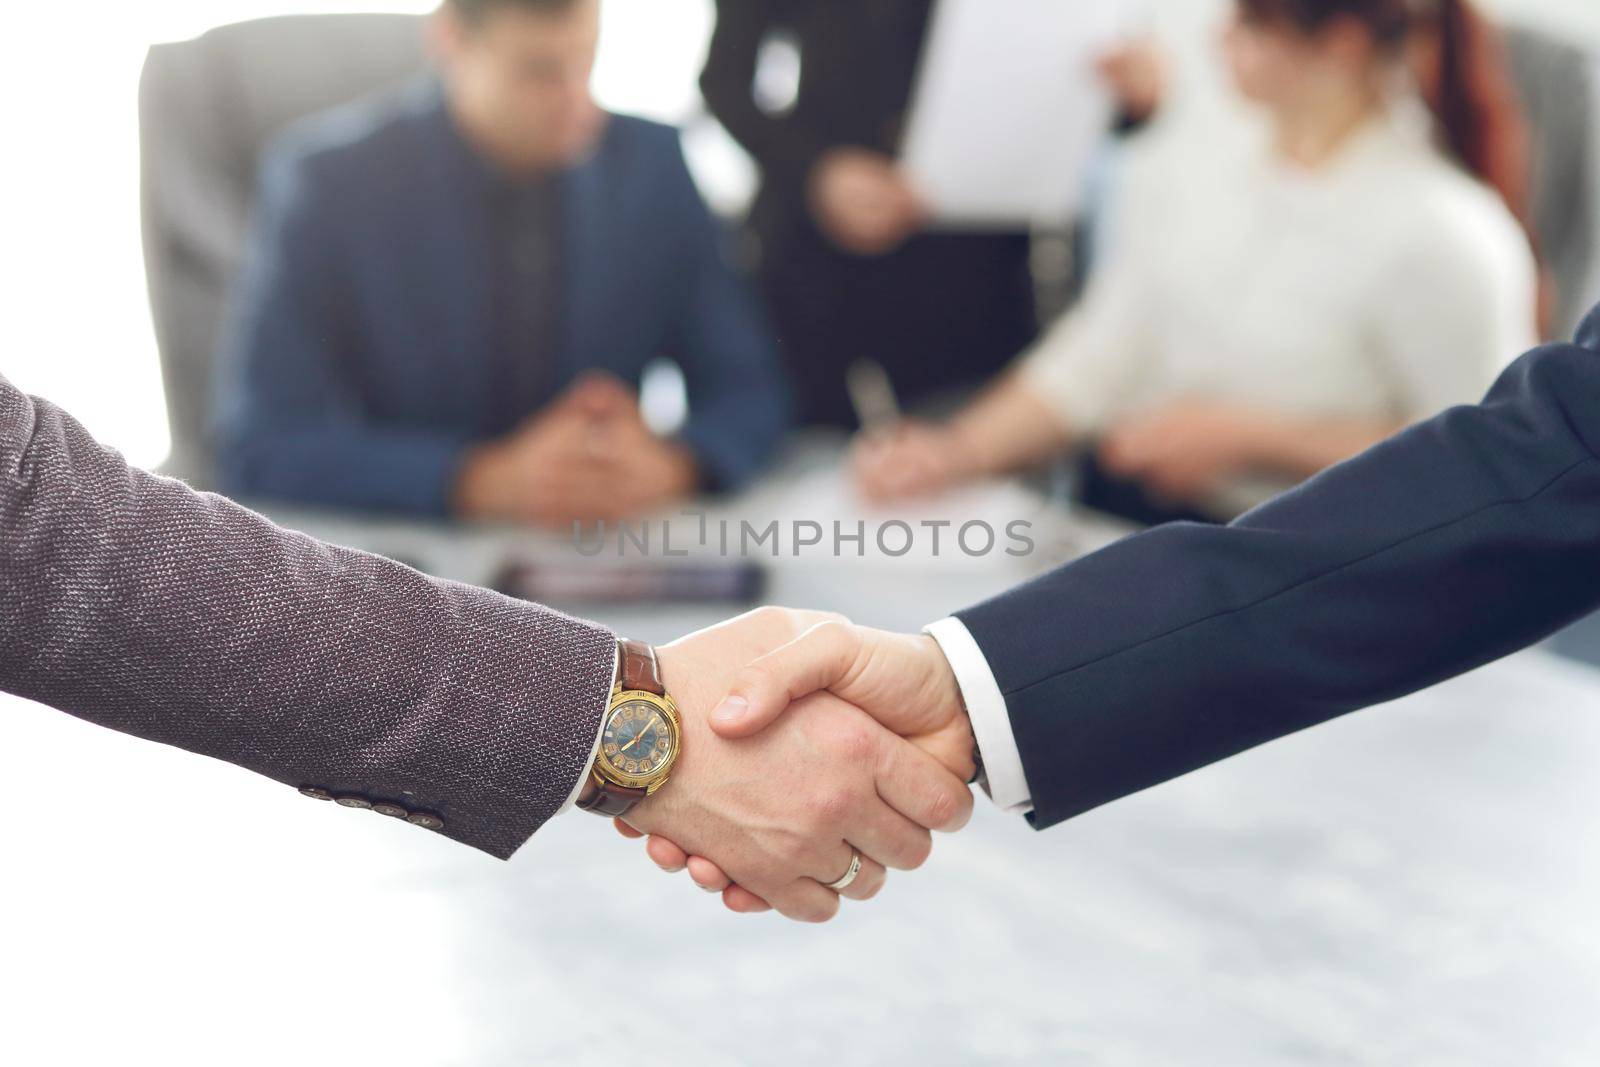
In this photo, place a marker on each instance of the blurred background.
(79, 318)
(1410, 886)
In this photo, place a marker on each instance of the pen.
(872, 395)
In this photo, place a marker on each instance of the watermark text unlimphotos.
(744, 539)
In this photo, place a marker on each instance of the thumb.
(818, 659)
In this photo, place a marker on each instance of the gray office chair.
(1560, 88)
(207, 108)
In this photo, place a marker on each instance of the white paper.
(1009, 110)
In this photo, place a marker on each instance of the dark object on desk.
(634, 583)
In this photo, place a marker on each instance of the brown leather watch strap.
(640, 670)
(609, 799)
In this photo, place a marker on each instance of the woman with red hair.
(1356, 263)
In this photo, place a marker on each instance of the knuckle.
(964, 804)
(858, 745)
(830, 806)
(849, 741)
(917, 852)
(790, 856)
(823, 910)
(803, 907)
(832, 633)
(831, 627)
(947, 808)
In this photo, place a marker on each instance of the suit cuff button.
(426, 821)
(353, 802)
(315, 792)
(393, 811)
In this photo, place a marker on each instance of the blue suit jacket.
(357, 367)
(1457, 542)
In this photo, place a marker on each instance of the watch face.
(638, 740)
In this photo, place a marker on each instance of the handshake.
(810, 746)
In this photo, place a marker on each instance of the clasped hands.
(588, 456)
(806, 738)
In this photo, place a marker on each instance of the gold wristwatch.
(641, 738)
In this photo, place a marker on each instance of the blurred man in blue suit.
(453, 291)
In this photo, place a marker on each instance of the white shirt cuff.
(1006, 782)
(594, 752)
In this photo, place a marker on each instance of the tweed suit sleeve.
(136, 603)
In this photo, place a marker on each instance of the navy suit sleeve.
(739, 406)
(289, 420)
(1459, 541)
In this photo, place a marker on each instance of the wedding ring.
(850, 875)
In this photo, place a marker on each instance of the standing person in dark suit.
(1459, 541)
(847, 271)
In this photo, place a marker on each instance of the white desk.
(1415, 885)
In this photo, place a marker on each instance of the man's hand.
(780, 812)
(863, 201)
(903, 681)
(910, 459)
(643, 472)
(587, 457)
